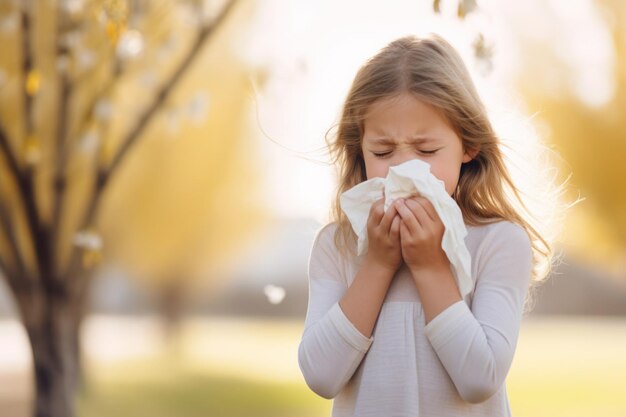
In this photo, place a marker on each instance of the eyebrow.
(389, 141)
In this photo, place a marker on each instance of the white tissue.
(402, 181)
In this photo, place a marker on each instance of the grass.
(217, 368)
(236, 368)
(179, 392)
(568, 367)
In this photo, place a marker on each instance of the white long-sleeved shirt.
(454, 366)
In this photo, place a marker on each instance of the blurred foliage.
(483, 48)
(123, 137)
(190, 193)
(186, 194)
(591, 141)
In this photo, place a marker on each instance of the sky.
(311, 52)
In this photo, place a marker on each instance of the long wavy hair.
(431, 69)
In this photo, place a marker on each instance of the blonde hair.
(432, 70)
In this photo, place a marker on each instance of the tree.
(590, 139)
(60, 73)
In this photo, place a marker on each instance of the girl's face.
(402, 128)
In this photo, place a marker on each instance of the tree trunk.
(170, 302)
(52, 328)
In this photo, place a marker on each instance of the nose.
(403, 155)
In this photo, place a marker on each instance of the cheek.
(446, 176)
(376, 168)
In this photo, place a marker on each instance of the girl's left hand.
(421, 232)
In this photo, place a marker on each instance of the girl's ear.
(470, 153)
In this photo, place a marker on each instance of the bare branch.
(27, 66)
(8, 273)
(11, 237)
(105, 174)
(61, 139)
(64, 142)
(107, 89)
(88, 115)
(10, 156)
(134, 134)
(59, 179)
(26, 181)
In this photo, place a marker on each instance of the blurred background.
(163, 172)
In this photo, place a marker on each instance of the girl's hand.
(421, 231)
(383, 232)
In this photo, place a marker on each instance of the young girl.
(387, 333)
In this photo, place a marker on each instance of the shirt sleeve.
(331, 347)
(476, 346)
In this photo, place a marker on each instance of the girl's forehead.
(389, 100)
(407, 109)
(405, 116)
(406, 100)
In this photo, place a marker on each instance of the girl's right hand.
(383, 233)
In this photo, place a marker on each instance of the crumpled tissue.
(413, 177)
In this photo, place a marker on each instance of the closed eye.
(381, 155)
(385, 154)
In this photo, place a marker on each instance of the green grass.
(562, 397)
(232, 368)
(173, 391)
(569, 367)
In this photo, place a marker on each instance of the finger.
(394, 231)
(377, 203)
(420, 213)
(376, 212)
(428, 206)
(408, 218)
(404, 231)
(391, 212)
